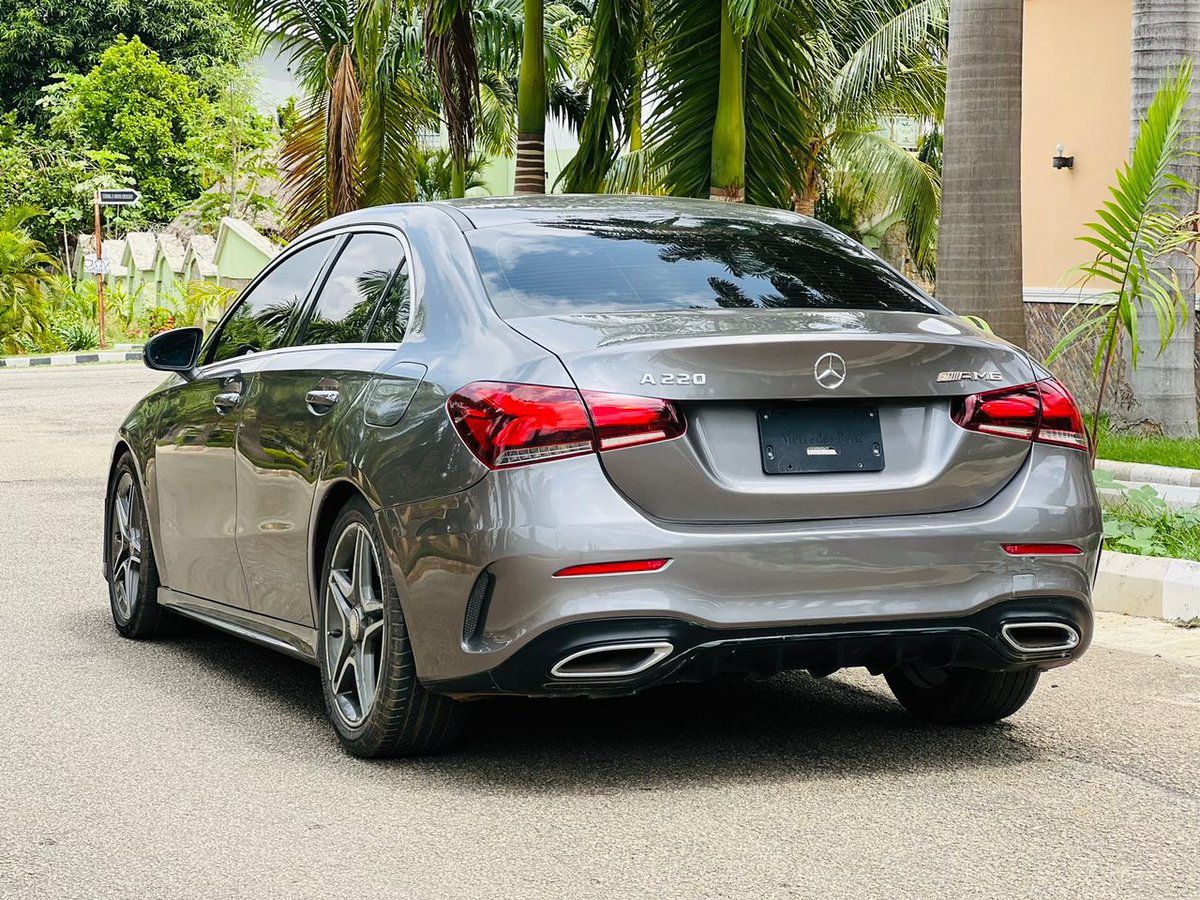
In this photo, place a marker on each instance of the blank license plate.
(799, 439)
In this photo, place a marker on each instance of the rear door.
(291, 429)
(816, 383)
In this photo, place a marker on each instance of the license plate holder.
(798, 440)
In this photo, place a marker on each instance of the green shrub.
(1140, 521)
(76, 334)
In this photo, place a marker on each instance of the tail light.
(1043, 411)
(508, 425)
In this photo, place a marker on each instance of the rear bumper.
(793, 587)
(700, 653)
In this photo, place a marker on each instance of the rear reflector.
(507, 425)
(1041, 549)
(1042, 411)
(628, 567)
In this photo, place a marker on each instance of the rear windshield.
(616, 265)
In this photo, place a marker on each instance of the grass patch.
(1158, 451)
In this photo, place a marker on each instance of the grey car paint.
(238, 533)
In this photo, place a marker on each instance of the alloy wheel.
(125, 546)
(354, 625)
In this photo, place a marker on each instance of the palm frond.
(450, 49)
(893, 41)
(344, 121)
(304, 164)
(616, 39)
(900, 181)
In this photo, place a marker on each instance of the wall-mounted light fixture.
(1062, 162)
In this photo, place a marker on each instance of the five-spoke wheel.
(355, 626)
(125, 546)
(129, 557)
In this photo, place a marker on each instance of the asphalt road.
(204, 767)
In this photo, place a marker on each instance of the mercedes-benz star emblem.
(830, 371)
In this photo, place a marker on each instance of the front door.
(196, 494)
(195, 471)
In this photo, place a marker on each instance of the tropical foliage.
(775, 102)
(1138, 226)
(44, 40)
(135, 107)
(24, 268)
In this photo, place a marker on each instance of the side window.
(262, 317)
(354, 288)
(392, 320)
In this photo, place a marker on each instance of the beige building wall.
(1076, 93)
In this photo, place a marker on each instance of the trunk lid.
(730, 371)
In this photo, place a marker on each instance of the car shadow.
(791, 727)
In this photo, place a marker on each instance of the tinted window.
(392, 320)
(262, 317)
(355, 287)
(612, 265)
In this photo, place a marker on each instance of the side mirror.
(174, 351)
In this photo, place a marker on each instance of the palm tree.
(531, 103)
(979, 243)
(356, 142)
(725, 77)
(450, 45)
(874, 59)
(25, 267)
(1166, 32)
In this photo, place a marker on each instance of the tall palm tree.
(1165, 32)
(725, 79)
(356, 142)
(25, 267)
(979, 244)
(531, 103)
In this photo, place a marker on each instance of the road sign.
(122, 197)
(94, 266)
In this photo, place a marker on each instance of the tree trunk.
(1164, 387)
(458, 177)
(531, 104)
(728, 180)
(979, 236)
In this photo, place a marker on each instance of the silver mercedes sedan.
(584, 446)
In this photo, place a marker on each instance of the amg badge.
(969, 376)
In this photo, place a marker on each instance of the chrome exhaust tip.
(1040, 637)
(612, 660)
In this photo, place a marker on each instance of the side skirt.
(298, 641)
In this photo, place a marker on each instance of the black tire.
(957, 696)
(129, 565)
(403, 718)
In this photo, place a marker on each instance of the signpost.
(98, 265)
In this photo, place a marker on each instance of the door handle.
(227, 400)
(320, 402)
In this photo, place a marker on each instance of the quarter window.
(264, 316)
(392, 320)
(357, 284)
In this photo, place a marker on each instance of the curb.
(1147, 586)
(1149, 474)
(71, 359)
